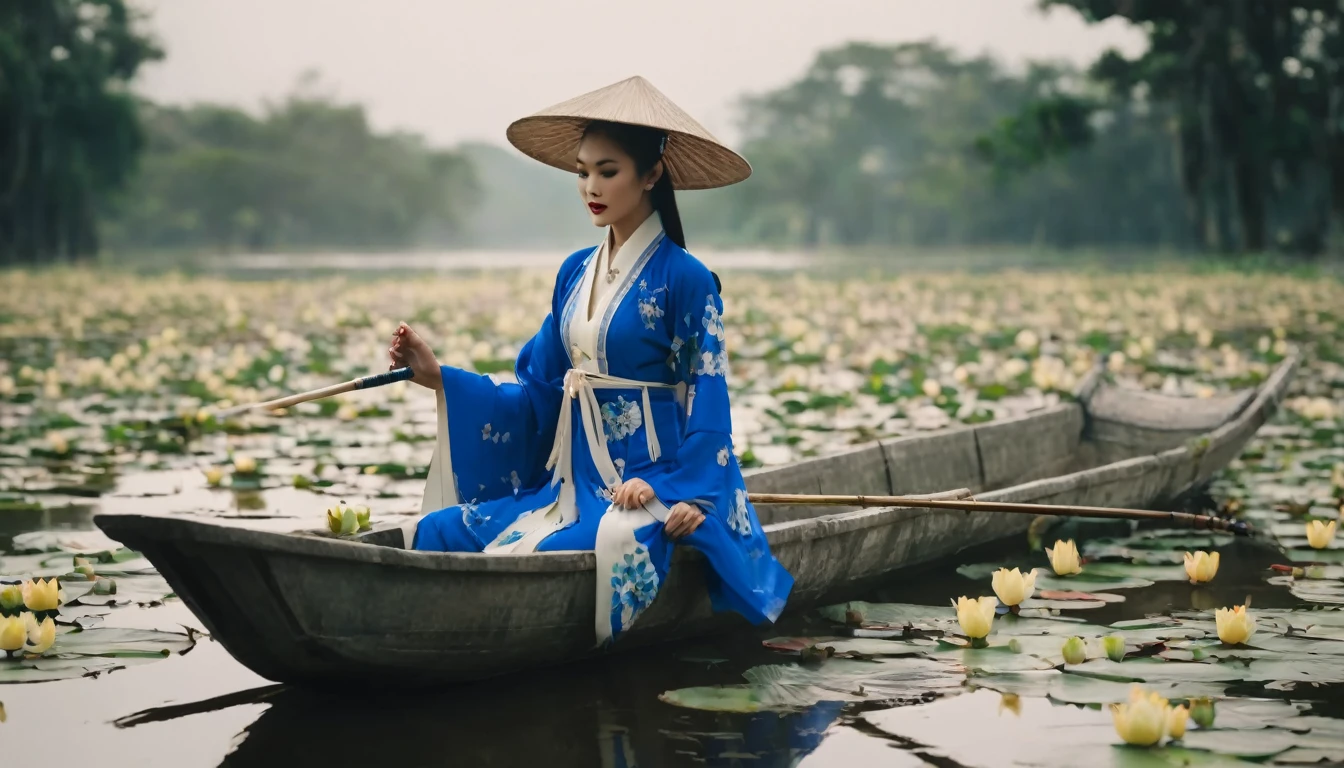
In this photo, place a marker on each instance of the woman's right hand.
(409, 350)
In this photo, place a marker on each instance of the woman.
(616, 437)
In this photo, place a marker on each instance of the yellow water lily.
(341, 520)
(40, 637)
(1142, 720)
(11, 597)
(1013, 587)
(1010, 702)
(1319, 535)
(214, 476)
(1235, 625)
(976, 617)
(13, 633)
(1064, 558)
(58, 442)
(244, 464)
(1201, 566)
(1176, 720)
(42, 594)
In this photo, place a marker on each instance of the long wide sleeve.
(704, 462)
(493, 438)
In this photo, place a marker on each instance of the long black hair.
(645, 146)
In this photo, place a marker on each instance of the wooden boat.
(310, 609)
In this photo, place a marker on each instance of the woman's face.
(609, 184)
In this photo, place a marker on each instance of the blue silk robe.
(636, 390)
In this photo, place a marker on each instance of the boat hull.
(315, 610)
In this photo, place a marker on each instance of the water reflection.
(604, 715)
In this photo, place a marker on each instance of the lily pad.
(1254, 744)
(791, 686)
(1080, 689)
(891, 614)
(47, 669)
(1306, 555)
(851, 646)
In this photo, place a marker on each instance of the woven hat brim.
(692, 162)
(693, 158)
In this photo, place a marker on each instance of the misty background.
(203, 126)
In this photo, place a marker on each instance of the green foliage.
(68, 129)
(1254, 89)
(887, 144)
(308, 173)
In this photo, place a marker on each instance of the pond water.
(110, 436)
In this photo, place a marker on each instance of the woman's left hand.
(683, 520)
(632, 494)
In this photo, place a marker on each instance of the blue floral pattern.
(738, 519)
(471, 515)
(649, 311)
(509, 539)
(634, 584)
(621, 418)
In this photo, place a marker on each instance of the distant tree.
(886, 144)
(68, 129)
(308, 173)
(1255, 90)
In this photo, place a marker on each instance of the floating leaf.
(1259, 743)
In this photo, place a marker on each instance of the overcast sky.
(456, 70)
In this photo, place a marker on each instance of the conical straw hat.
(693, 158)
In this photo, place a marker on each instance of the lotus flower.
(1075, 651)
(40, 636)
(1064, 558)
(1012, 587)
(1319, 535)
(1235, 625)
(1176, 719)
(1114, 646)
(1142, 720)
(13, 634)
(244, 464)
(58, 442)
(341, 520)
(214, 476)
(1201, 566)
(976, 617)
(11, 597)
(42, 594)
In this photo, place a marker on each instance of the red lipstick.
(596, 208)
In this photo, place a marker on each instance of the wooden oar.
(366, 382)
(1238, 527)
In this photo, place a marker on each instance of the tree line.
(1226, 135)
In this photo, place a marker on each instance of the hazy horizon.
(405, 62)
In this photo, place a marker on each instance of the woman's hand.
(632, 494)
(408, 349)
(683, 520)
